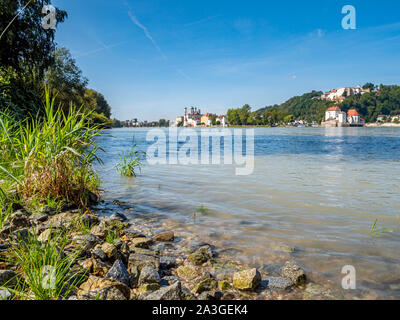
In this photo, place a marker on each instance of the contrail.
(147, 34)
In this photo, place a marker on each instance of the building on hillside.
(342, 93)
(335, 117)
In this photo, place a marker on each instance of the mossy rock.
(247, 279)
(200, 256)
(206, 285)
(148, 287)
(224, 285)
(187, 272)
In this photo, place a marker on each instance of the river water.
(313, 197)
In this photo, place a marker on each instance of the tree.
(64, 79)
(244, 114)
(26, 46)
(95, 101)
(369, 86)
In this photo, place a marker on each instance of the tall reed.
(50, 157)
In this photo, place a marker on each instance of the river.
(313, 196)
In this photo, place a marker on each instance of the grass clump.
(50, 157)
(45, 268)
(131, 162)
(378, 232)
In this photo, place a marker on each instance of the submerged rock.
(247, 279)
(165, 236)
(293, 272)
(277, 283)
(200, 256)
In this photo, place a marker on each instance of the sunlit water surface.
(317, 190)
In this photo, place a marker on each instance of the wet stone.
(277, 283)
(293, 272)
(247, 279)
(119, 273)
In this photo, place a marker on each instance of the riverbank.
(109, 258)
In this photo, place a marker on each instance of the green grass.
(378, 232)
(50, 157)
(131, 161)
(112, 236)
(46, 271)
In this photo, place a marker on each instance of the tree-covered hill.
(383, 99)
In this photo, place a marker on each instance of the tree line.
(382, 100)
(30, 60)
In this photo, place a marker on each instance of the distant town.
(341, 107)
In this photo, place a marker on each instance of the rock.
(142, 260)
(134, 277)
(8, 278)
(187, 272)
(165, 236)
(205, 285)
(148, 275)
(141, 243)
(5, 294)
(51, 211)
(224, 285)
(6, 231)
(172, 292)
(92, 198)
(247, 279)
(293, 272)
(68, 207)
(210, 295)
(87, 241)
(103, 289)
(46, 235)
(119, 273)
(119, 216)
(168, 280)
(167, 263)
(277, 283)
(132, 234)
(89, 220)
(228, 296)
(39, 217)
(20, 219)
(22, 234)
(110, 250)
(99, 230)
(99, 254)
(200, 256)
(148, 288)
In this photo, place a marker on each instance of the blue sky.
(151, 58)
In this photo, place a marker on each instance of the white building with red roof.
(335, 117)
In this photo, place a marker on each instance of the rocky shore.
(112, 259)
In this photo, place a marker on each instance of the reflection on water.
(313, 196)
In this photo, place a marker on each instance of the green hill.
(384, 99)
